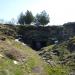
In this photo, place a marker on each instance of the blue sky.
(60, 11)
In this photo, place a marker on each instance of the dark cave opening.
(37, 45)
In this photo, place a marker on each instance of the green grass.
(32, 60)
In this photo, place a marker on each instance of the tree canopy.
(42, 18)
(26, 18)
(21, 19)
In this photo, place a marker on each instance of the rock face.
(38, 37)
(58, 33)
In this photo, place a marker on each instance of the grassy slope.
(33, 64)
(66, 59)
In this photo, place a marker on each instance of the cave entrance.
(37, 45)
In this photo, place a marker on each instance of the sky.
(60, 11)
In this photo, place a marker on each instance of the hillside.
(62, 54)
(16, 58)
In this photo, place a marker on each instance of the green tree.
(42, 18)
(21, 19)
(29, 18)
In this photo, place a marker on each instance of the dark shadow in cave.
(37, 45)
